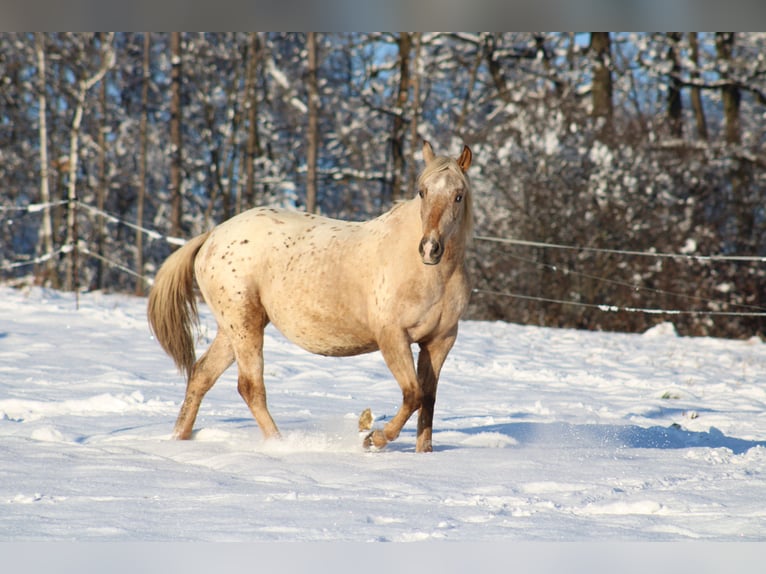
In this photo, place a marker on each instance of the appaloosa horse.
(333, 287)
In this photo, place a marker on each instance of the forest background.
(618, 177)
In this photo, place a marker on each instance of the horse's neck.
(454, 256)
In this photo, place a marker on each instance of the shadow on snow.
(615, 436)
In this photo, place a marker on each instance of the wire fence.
(743, 310)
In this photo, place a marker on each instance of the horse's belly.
(325, 338)
(319, 319)
(336, 346)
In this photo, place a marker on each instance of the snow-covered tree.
(619, 141)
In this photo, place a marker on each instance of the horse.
(335, 288)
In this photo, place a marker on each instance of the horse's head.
(445, 202)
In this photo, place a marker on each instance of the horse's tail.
(172, 308)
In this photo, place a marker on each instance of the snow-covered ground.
(540, 434)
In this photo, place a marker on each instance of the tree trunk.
(675, 106)
(253, 147)
(313, 127)
(176, 192)
(495, 70)
(730, 93)
(72, 283)
(739, 170)
(83, 86)
(468, 92)
(696, 96)
(600, 47)
(101, 191)
(412, 171)
(48, 276)
(142, 136)
(397, 139)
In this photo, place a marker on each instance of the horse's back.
(303, 270)
(330, 286)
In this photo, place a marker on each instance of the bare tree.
(730, 93)
(478, 57)
(696, 92)
(313, 124)
(412, 170)
(253, 146)
(601, 51)
(397, 138)
(102, 188)
(46, 231)
(84, 84)
(675, 105)
(142, 161)
(176, 166)
(495, 67)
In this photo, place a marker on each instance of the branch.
(107, 61)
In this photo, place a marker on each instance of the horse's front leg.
(430, 360)
(395, 348)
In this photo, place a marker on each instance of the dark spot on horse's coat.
(244, 242)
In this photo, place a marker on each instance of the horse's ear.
(464, 161)
(428, 152)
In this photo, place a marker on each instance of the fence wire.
(753, 310)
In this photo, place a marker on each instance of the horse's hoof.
(425, 446)
(365, 420)
(374, 441)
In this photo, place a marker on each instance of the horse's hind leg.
(249, 352)
(204, 374)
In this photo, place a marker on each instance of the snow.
(540, 435)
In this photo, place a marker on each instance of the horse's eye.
(420, 193)
(458, 198)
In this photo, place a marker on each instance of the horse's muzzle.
(431, 251)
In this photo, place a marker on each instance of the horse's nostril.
(430, 250)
